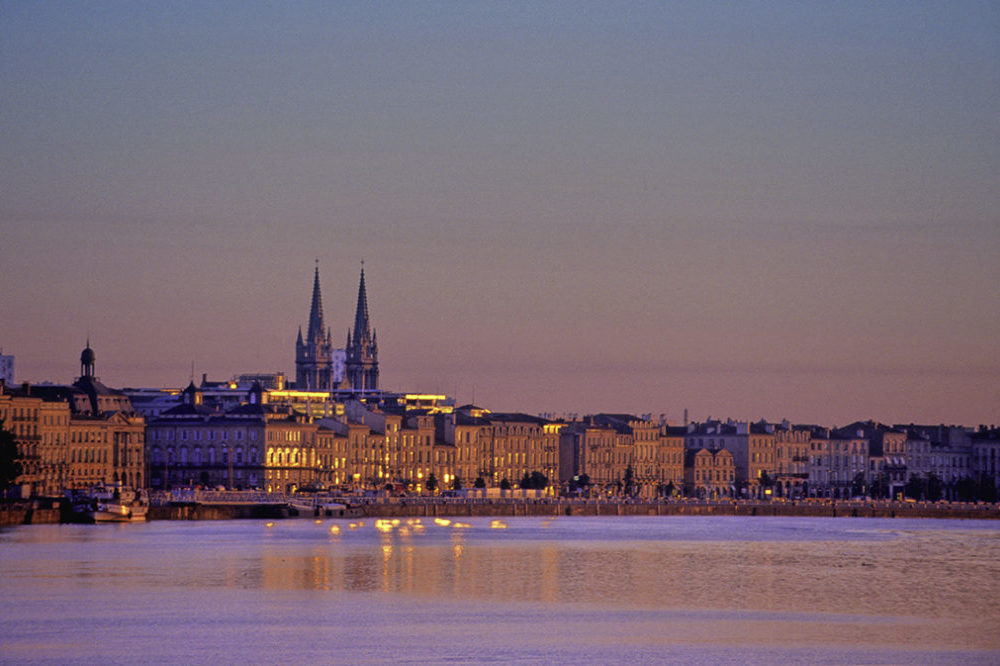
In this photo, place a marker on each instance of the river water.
(680, 589)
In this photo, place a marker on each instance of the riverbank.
(33, 513)
(680, 508)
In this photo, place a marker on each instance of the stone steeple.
(316, 327)
(362, 345)
(314, 354)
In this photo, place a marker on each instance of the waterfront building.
(848, 463)
(986, 456)
(670, 460)
(467, 430)
(589, 452)
(951, 454)
(709, 473)
(762, 465)
(253, 445)
(752, 447)
(518, 445)
(41, 431)
(74, 436)
(886, 468)
(791, 454)
(818, 484)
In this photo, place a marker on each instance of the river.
(683, 589)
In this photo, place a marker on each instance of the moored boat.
(103, 504)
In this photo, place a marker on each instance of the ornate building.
(314, 355)
(362, 346)
(320, 367)
(74, 436)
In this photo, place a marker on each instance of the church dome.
(87, 357)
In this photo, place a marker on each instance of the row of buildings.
(241, 436)
(335, 427)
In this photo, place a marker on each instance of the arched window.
(197, 455)
(184, 455)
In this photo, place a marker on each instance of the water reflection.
(841, 581)
(872, 577)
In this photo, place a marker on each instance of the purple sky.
(749, 209)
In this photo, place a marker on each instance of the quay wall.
(544, 508)
(196, 511)
(27, 514)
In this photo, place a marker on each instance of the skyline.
(791, 214)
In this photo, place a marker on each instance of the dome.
(87, 357)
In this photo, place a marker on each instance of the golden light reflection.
(458, 549)
(334, 529)
(498, 525)
(443, 522)
(384, 526)
(352, 526)
(318, 522)
(461, 526)
(268, 524)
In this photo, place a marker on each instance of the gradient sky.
(751, 210)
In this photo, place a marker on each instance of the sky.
(744, 210)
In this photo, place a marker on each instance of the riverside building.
(74, 436)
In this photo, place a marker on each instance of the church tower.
(314, 354)
(362, 346)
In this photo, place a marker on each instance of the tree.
(432, 482)
(914, 488)
(988, 489)
(934, 487)
(456, 483)
(480, 482)
(504, 484)
(534, 481)
(966, 489)
(630, 481)
(10, 466)
(858, 485)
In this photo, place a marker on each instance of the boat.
(114, 504)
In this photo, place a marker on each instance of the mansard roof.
(515, 417)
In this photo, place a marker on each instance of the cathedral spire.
(316, 327)
(361, 333)
(362, 353)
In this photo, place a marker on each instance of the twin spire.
(316, 328)
(361, 332)
(316, 364)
